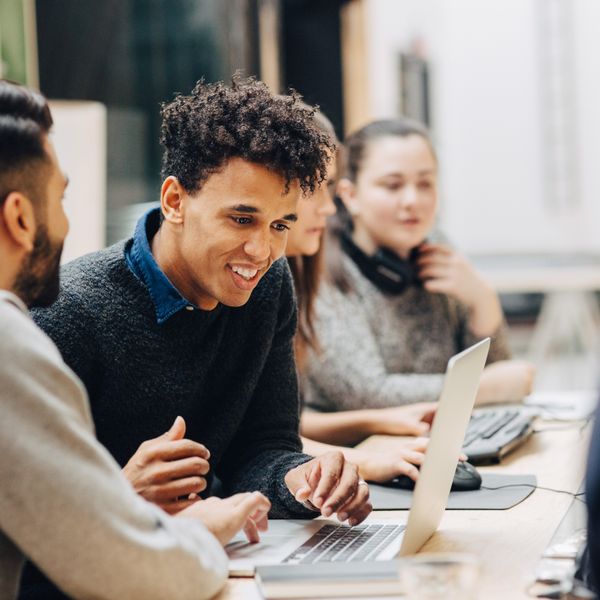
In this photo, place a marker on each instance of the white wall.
(79, 136)
(587, 75)
(488, 124)
(488, 116)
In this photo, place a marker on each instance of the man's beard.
(38, 281)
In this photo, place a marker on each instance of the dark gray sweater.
(229, 372)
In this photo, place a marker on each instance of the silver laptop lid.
(445, 441)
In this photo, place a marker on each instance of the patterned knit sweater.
(380, 350)
(229, 372)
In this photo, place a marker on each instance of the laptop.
(294, 542)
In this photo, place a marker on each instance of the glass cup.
(437, 576)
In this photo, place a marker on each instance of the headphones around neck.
(385, 269)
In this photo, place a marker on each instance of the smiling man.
(64, 502)
(194, 316)
(217, 248)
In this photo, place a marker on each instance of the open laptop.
(320, 540)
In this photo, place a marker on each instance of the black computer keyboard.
(493, 432)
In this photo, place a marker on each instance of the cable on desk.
(556, 428)
(575, 495)
(581, 427)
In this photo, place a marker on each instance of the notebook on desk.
(291, 542)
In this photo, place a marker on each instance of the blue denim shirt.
(165, 296)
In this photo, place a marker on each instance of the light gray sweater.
(380, 350)
(64, 502)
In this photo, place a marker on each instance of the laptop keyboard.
(341, 543)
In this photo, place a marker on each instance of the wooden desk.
(509, 542)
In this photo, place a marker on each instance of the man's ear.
(346, 191)
(19, 220)
(171, 200)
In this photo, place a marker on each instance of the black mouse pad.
(387, 498)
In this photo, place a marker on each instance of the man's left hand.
(331, 485)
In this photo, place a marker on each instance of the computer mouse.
(466, 478)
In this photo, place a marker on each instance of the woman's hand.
(411, 419)
(506, 381)
(383, 466)
(445, 271)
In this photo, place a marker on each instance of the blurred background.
(509, 88)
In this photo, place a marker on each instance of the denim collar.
(165, 296)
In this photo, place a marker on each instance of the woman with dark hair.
(399, 303)
(305, 255)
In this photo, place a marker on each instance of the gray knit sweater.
(64, 502)
(380, 350)
(229, 372)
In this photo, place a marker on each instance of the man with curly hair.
(63, 500)
(187, 327)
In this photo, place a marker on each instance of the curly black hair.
(217, 122)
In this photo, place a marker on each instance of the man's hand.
(225, 517)
(332, 485)
(413, 419)
(169, 470)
